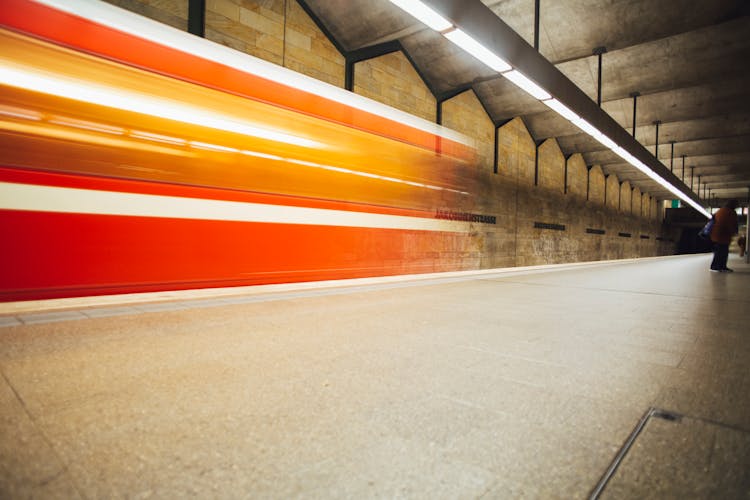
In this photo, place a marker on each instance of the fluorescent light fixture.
(606, 141)
(653, 175)
(695, 205)
(595, 133)
(524, 83)
(561, 109)
(477, 50)
(579, 122)
(645, 168)
(587, 127)
(423, 14)
(625, 155)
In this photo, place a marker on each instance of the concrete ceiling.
(687, 59)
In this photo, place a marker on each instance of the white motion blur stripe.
(31, 197)
(144, 28)
(139, 103)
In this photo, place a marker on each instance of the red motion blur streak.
(82, 34)
(73, 254)
(85, 254)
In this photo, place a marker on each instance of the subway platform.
(625, 379)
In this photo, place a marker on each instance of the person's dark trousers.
(721, 254)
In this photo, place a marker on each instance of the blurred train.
(135, 157)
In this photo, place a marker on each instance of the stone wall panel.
(613, 192)
(551, 167)
(577, 179)
(392, 80)
(591, 202)
(465, 114)
(171, 12)
(626, 198)
(597, 184)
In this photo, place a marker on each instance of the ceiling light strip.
(477, 50)
(524, 83)
(463, 40)
(424, 13)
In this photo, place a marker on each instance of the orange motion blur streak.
(120, 143)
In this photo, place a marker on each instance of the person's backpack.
(705, 233)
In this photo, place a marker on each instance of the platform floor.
(523, 384)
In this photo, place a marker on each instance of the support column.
(349, 75)
(692, 174)
(671, 158)
(497, 145)
(598, 52)
(197, 17)
(656, 150)
(536, 24)
(683, 169)
(634, 95)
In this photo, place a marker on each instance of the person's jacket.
(725, 226)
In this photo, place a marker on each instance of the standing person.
(724, 228)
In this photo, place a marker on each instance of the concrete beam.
(475, 18)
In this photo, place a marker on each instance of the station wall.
(171, 12)
(548, 208)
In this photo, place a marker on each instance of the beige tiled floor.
(504, 385)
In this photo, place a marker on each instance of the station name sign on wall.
(466, 217)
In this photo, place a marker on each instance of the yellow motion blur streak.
(57, 130)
